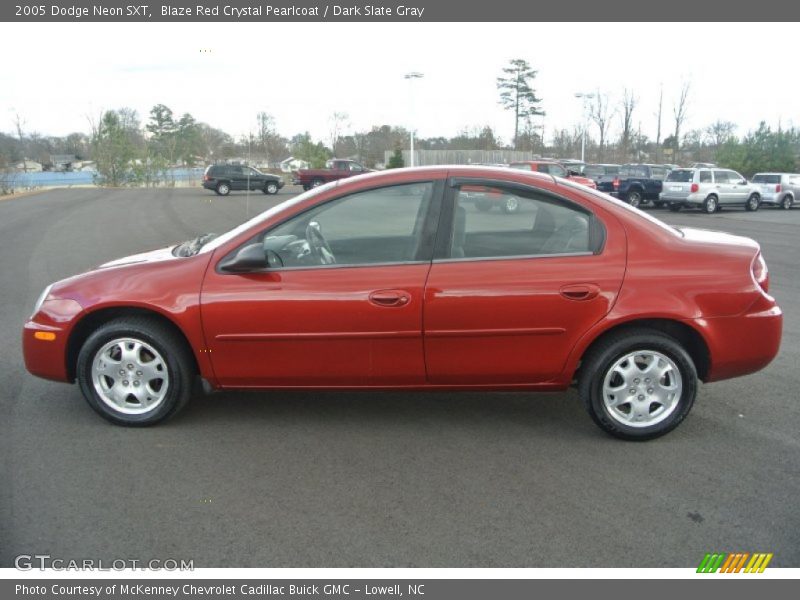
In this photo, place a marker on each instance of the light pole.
(585, 96)
(411, 77)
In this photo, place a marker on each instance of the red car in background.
(553, 168)
(395, 280)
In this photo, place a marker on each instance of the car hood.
(144, 257)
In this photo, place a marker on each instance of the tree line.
(126, 150)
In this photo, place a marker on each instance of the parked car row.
(703, 186)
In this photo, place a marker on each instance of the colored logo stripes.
(735, 562)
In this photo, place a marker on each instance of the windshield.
(521, 166)
(762, 178)
(684, 175)
(260, 218)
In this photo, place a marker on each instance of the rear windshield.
(766, 178)
(680, 175)
(634, 171)
(599, 170)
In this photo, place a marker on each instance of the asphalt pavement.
(344, 479)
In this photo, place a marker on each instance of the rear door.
(509, 294)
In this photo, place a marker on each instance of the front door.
(342, 305)
(514, 292)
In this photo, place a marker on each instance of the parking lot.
(377, 479)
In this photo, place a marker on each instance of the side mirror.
(743, 182)
(252, 257)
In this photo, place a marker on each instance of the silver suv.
(709, 190)
(780, 189)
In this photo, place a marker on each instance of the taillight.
(777, 188)
(206, 178)
(615, 183)
(695, 188)
(760, 272)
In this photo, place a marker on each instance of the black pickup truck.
(636, 184)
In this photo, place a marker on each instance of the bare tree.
(339, 122)
(599, 114)
(629, 102)
(679, 111)
(720, 132)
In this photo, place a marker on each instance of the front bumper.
(45, 339)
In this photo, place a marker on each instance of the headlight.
(41, 300)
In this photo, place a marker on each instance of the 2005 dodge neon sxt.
(420, 279)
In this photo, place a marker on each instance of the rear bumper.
(743, 344)
(681, 198)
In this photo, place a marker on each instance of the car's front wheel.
(135, 371)
(753, 202)
(638, 384)
(510, 205)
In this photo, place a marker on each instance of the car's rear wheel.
(634, 198)
(787, 202)
(316, 183)
(483, 204)
(753, 202)
(510, 205)
(675, 206)
(223, 189)
(710, 204)
(271, 188)
(135, 371)
(638, 384)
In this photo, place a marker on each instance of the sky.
(301, 73)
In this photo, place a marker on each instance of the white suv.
(709, 190)
(780, 189)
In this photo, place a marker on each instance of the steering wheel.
(319, 245)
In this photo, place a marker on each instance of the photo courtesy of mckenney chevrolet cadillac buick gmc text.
(398, 280)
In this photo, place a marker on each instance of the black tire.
(483, 204)
(675, 206)
(306, 187)
(658, 203)
(177, 357)
(223, 188)
(753, 203)
(786, 202)
(634, 198)
(710, 204)
(602, 358)
(316, 183)
(271, 188)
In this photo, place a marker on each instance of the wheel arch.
(97, 318)
(690, 338)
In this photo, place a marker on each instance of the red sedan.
(396, 280)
